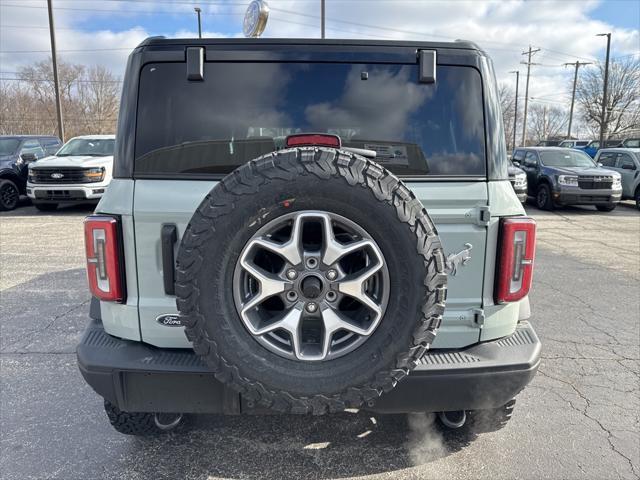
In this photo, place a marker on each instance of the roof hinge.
(427, 59)
(484, 215)
(195, 63)
(478, 317)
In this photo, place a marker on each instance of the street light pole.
(197, 9)
(515, 114)
(322, 19)
(573, 95)
(56, 82)
(603, 117)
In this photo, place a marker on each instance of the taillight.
(516, 253)
(102, 246)
(313, 139)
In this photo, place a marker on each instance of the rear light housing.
(103, 248)
(516, 253)
(313, 140)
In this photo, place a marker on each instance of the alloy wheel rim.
(311, 286)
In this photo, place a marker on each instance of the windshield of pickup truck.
(98, 147)
(243, 110)
(8, 146)
(570, 158)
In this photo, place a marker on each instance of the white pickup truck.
(79, 172)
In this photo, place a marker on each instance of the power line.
(528, 63)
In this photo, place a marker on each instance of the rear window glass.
(243, 110)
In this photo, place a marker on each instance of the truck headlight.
(570, 180)
(520, 179)
(617, 183)
(94, 174)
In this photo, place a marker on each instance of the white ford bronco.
(305, 227)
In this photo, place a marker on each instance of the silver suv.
(303, 226)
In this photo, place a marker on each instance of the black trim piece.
(427, 66)
(195, 63)
(95, 312)
(168, 237)
(138, 377)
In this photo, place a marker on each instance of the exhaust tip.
(454, 419)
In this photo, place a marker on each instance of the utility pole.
(322, 19)
(56, 82)
(515, 114)
(573, 94)
(197, 9)
(603, 118)
(526, 92)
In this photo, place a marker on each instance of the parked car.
(258, 206)
(79, 172)
(573, 143)
(594, 145)
(631, 143)
(625, 161)
(16, 152)
(518, 179)
(559, 176)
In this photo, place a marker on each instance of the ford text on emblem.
(57, 175)
(169, 320)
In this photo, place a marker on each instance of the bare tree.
(545, 122)
(90, 100)
(623, 97)
(507, 105)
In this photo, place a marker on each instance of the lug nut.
(311, 307)
(292, 274)
(332, 274)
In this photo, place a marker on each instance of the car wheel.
(606, 208)
(45, 207)
(543, 198)
(9, 195)
(311, 280)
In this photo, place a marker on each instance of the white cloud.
(564, 29)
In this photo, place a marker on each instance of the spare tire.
(310, 280)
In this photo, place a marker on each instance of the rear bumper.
(141, 378)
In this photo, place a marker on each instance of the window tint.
(518, 155)
(626, 161)
(243, 110)
(566, 158)
(32, 146)
(530, 159)
(608, 159)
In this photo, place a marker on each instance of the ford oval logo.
(169, 320)
(57, 175)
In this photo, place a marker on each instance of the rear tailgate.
(459, 210)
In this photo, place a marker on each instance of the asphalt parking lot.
(580, 418)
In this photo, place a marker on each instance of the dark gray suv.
(16, 152)
(561, 176)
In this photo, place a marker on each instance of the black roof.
(163, 41)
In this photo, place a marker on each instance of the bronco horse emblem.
(458, 259)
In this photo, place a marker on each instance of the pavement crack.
(585, 413)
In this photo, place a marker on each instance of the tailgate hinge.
(484, 215)
(478, 317)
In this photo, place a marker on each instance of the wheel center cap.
(311, 287)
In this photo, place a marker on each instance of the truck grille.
(595, 182)
(59, 175)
